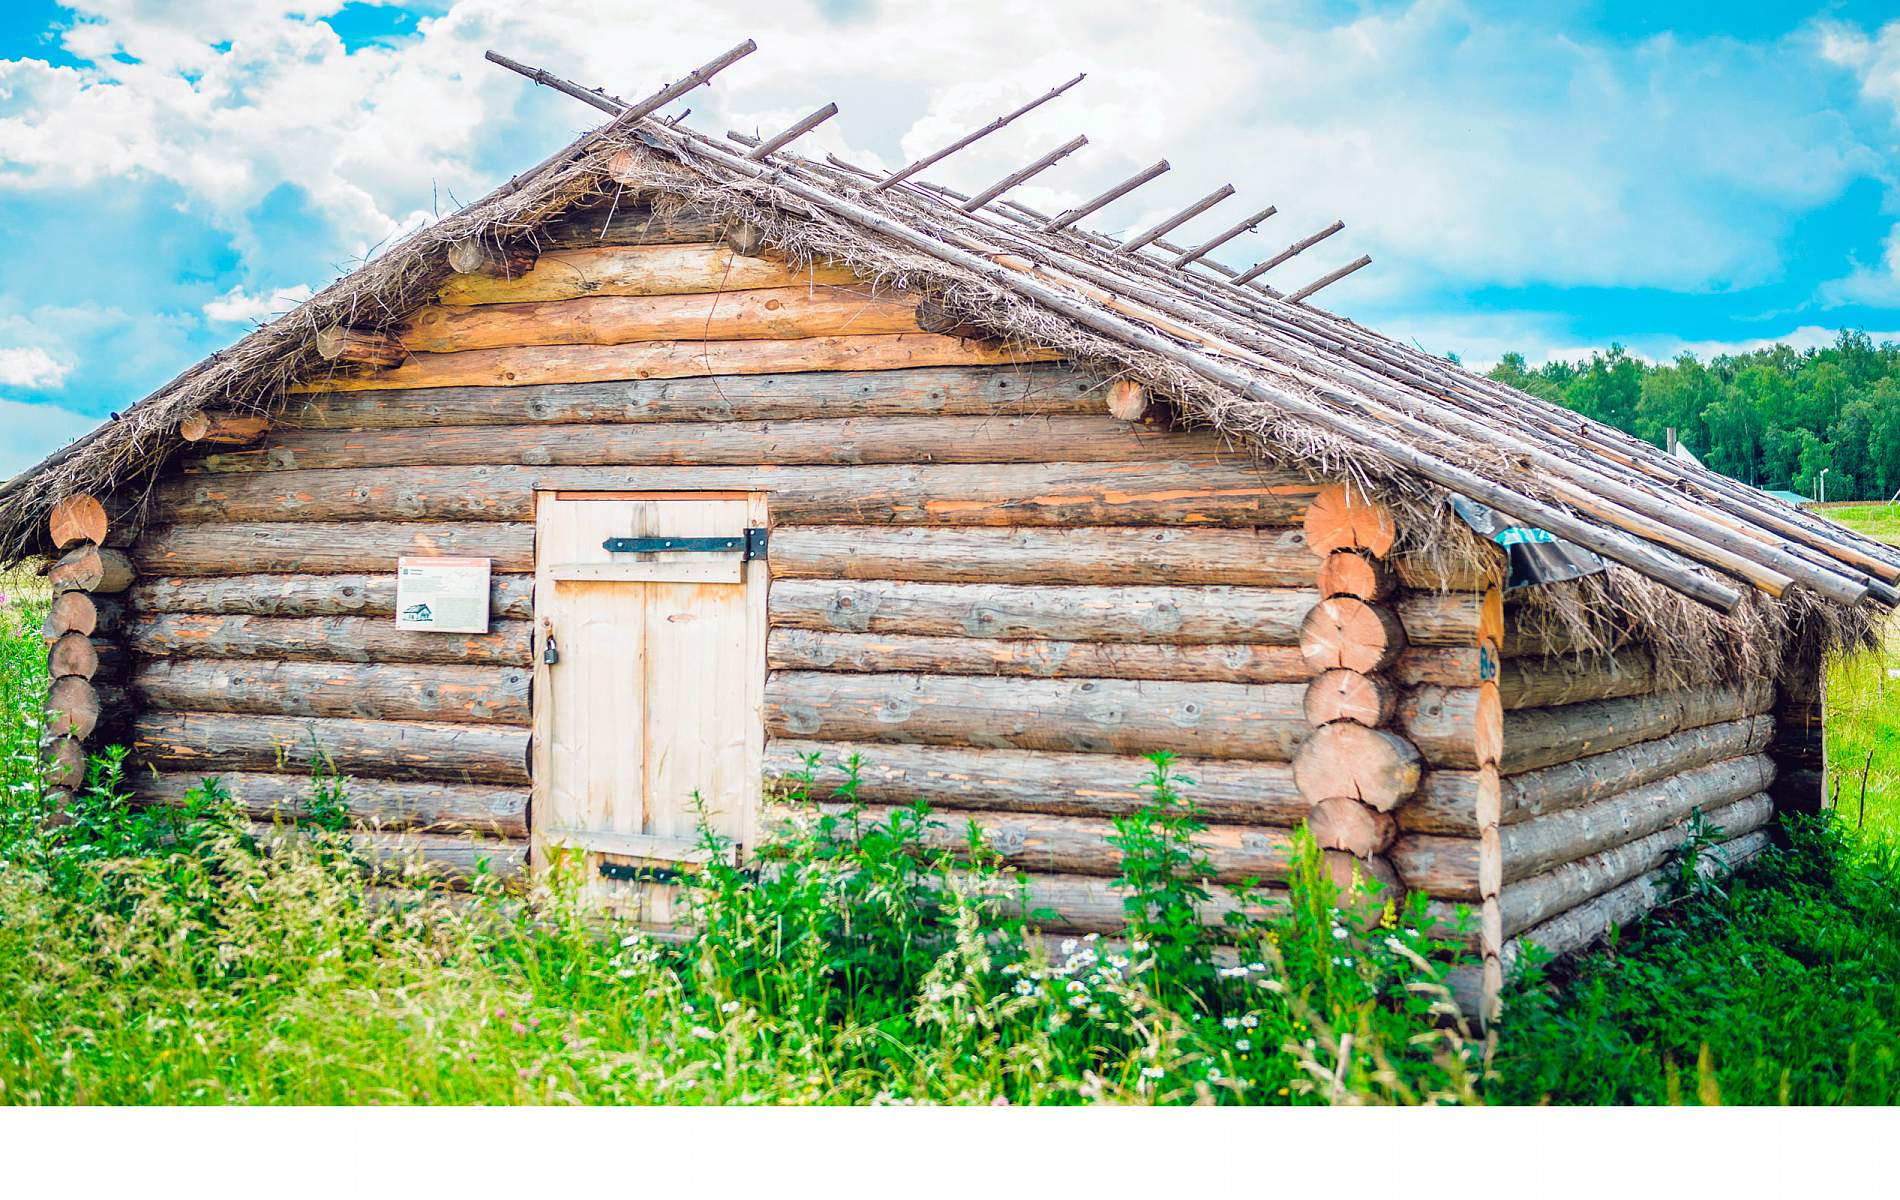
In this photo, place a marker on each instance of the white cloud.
(242, 306)
(1875, 59)
(1458, 148)
(31, 368)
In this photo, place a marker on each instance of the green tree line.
(1774, 418)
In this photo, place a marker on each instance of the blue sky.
(1548, 178)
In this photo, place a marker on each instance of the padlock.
(551, 653)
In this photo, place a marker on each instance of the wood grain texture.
(1041, 494)
(656, 270)
(216, 742)
(1107, 716)
(452, 860)
(520, 366)
(1339, 695)
(1546, 682)
(1342, 518)
(1159, 615)
(1345, 633)
(323, 639)
(268, 546)
(90, 568)
(1542, 737)
(810, 650)
(1110, 555)
(372, 803)
(1581, 780)
(830, 310)
(984, 439)
(372, 692)
(308, 596)
(1453, 727)
(1376, 766)
(1028, 390)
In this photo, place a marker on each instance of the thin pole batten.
(906, 172)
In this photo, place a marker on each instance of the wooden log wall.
(991, 588)
(1602, 772)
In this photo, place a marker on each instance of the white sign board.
(443, 595)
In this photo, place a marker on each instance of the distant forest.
(1774, 418)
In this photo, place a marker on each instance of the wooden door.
(651, 716)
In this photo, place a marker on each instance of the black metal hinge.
(752, 544)
(629, 872)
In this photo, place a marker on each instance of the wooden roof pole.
(1306, 243)
(1364, 260)
(1187, 214)
(793, 133)
(1635, 555)
(1015, 177)
(1188, 256)
(1653, 519)
(1066, 219)
(912, 169)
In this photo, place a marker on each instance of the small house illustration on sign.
(417, 612)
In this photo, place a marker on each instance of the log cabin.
(680, 462)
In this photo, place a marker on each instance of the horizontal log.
(90, 568)
(326, 547)
(1083, 904)
(938, 494)
(1027, 390)
(82, 613)
(1351, 826)
(1579, 927)
(1083, 785)
(991, 439)
(77, 518)
(372, 692)
(1441, 618)
(1439, 866)
(627, 222)
(1448, 802)
(302, 596)
(810, 650)
(1080, 845)
(359, 347)
(211, 743)
(87, 658)
(1541, 737)
(1345, 633)
(1343, 518)
(522, 366)
(1534, 846)
(1450, 572)
(1448, 666)
(658, 270)
(1100, 716)
(371, 803)
(1376, 766)
(79, 708)
(1356, 573)
(323, 639)
(1536, 899)
(1157, 615)
(216, 427)
(776, 313)
(1544, 682)
(1340, 695)
(1103, 555)
(1580, 781)
(453, 859)
(1453, 727)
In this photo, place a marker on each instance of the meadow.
(166, 956)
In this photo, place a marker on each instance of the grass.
(167, 957)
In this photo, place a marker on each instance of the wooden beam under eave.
(223, 428)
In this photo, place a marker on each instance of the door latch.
(551, 652)
(751, 544)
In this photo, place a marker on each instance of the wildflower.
(700, 1031)
(1213, 1074)
(1095, 1010)
(1152, 1072)
(1068, 945)
(1243, 1044)
(1076, 985)
(1139, 947)
(632, 939)
(1230, 1022)
(730, 1006)
(1249, 1021)
(519, 1028)
(1093, 937)
(1024, 987)
(1283, 1091)
(1339, 932)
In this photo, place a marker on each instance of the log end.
(1341, 518)
(75, 519)
(1127, 400)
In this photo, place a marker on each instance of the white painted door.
(649, 720)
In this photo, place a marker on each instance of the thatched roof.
(1701, 555)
